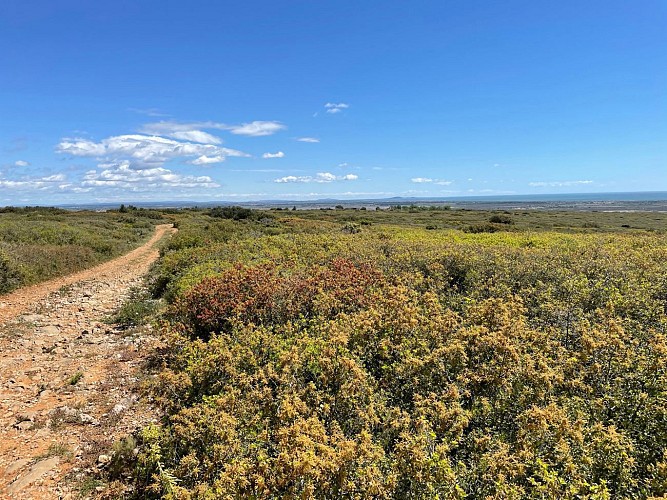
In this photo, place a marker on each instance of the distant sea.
(646, 201)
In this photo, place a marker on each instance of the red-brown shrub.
(266, 294)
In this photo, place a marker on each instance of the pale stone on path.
(35, 472)
(16, 466)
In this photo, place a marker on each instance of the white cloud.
(334, 108)
(74, 189)
(427, 180)
(144, 151)
(257, 128)
(21, 163)
(279, 154)
(321, 178)
(184, 131)
(292, 178)
(121, 175)
(208, 160)
(307, 139)
(81, 147)
(33, 183)
(325, 177)
(559, 183)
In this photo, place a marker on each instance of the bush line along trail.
(65, 378)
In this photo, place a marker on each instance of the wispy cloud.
(192, 131)
(21, 163)
(307, 139)
(257, 128)
(334, 108)
(145, 151)
(428, 180)
(321, 177)
(279, 154)
(559, 183)
(154, 112)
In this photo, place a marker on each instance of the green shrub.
(501, 219)
(139, 308)
(481, 228)
(233, 212)
(351, 228)
(11, 276)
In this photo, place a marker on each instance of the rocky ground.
(68, 380)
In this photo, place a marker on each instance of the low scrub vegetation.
(501, 219)
(41, 243)
(137, 310)
(233, 212)
(395, 362)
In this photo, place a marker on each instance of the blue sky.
(212, 100)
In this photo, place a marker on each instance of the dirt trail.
(66, 379)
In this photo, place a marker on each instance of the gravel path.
(66, 379)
